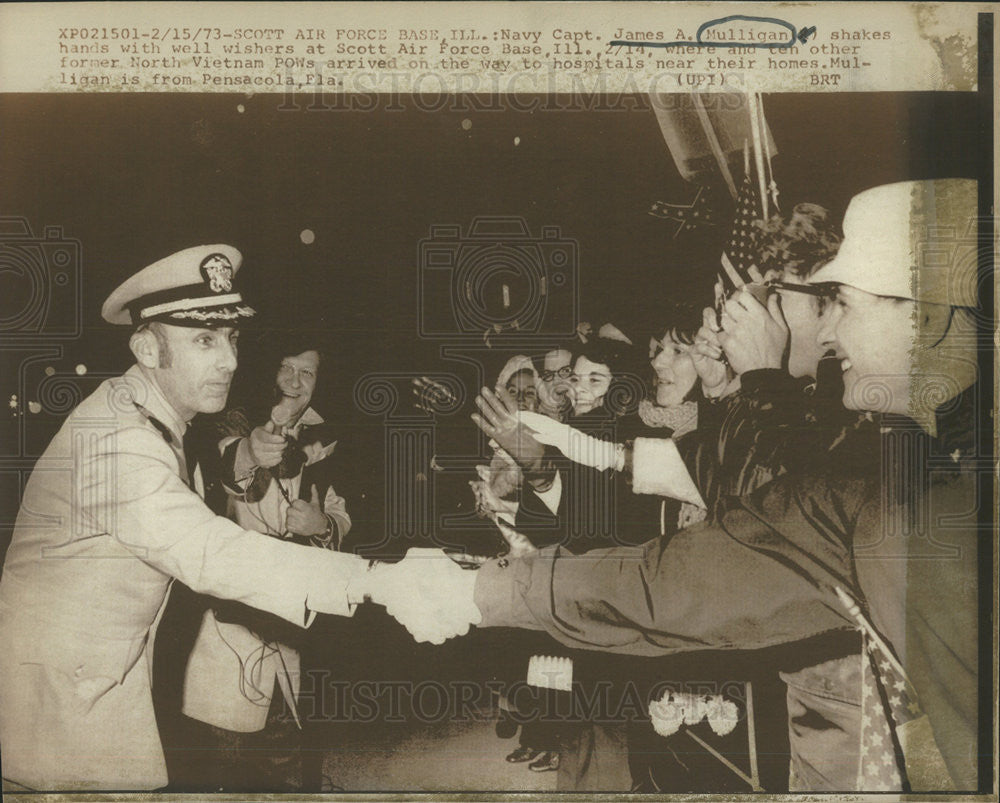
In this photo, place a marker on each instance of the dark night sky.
(136, 177)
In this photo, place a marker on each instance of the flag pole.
(713, 142)
(772, 184)
(758, 152)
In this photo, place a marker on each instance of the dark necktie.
(187, 443)
(190, 454)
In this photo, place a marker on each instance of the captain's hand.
(429, 594)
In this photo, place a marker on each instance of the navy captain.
(110, 516)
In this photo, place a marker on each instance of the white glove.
(576, 445)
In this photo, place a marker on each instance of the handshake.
(427, 592)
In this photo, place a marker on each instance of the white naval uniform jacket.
(106, 521)
(232, 670)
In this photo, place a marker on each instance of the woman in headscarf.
(498, 484)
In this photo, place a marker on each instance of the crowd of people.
(753, 491)
(812, 382)
(737, 389)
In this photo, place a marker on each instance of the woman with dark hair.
(607, 386)
(614, 399)
(671, 409)
(607, 376)
(675, 387)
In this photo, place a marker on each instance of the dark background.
(119, 181)
(132, 178)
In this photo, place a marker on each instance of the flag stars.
(689, 216)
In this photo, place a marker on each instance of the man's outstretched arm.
(763, 575)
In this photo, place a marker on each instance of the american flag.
(887, 703)
(740, 252)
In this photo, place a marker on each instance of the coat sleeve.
(749, 438)
(136, 496)
(536, 520)
(321, 475)
(336, 507)
(763, 575)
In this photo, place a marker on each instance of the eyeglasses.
(563, 373)
(807, 289)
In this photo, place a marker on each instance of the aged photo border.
(72, 326)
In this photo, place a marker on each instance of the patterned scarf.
(681, 419)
